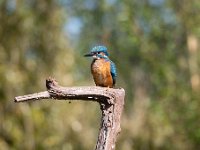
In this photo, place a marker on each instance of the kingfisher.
(102, 68)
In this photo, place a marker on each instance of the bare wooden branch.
(35, 96)
(111, 103)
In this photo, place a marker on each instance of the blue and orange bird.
(102, 68)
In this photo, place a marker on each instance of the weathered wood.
(111, 103)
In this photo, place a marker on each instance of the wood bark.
(111, 104)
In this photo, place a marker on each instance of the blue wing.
(113, 71)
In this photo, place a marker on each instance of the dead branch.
(111, 103)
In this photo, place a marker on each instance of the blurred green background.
(155, 45)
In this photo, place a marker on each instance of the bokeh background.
(155, 45)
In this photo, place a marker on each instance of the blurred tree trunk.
(193, 51)
(188, 14)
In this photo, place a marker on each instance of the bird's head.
(97, 51)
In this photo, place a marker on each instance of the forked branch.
(111, 103)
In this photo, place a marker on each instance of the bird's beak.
(88, 55)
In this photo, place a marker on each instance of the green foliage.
(155, 45)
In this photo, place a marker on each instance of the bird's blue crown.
(100, 49)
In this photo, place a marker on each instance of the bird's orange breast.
(101, 73)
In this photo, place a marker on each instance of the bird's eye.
(98, 52)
